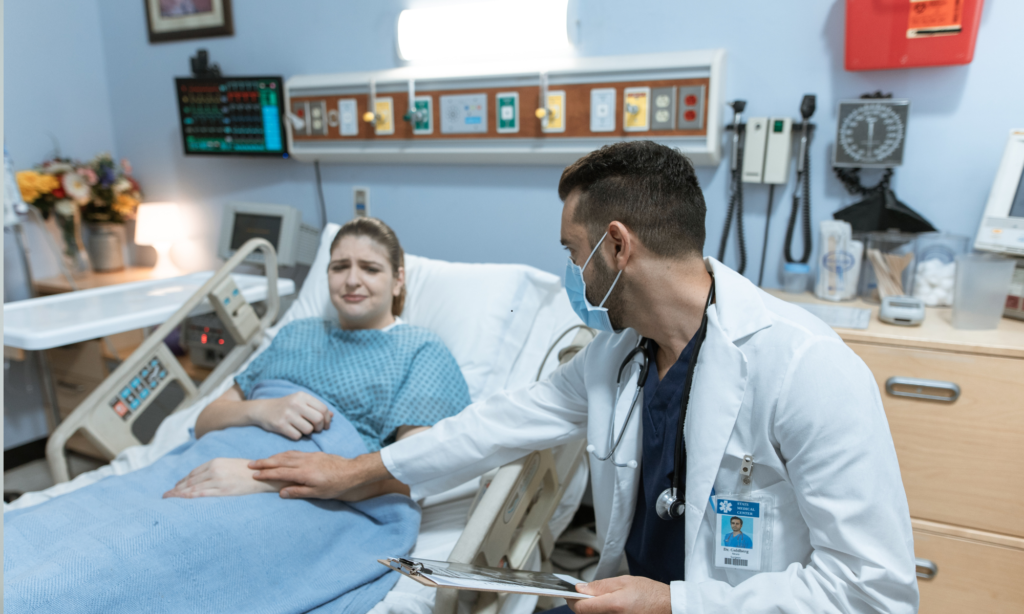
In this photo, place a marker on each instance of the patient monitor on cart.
(295, 242)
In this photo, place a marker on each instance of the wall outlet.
(361, 201)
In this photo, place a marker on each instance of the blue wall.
(55, 74)
(959, 119)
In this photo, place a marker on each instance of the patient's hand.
(293, 416)
(221, 477)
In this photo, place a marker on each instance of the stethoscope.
(669, 505)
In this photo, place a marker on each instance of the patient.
(346, 387)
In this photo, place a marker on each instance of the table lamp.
(160, 225)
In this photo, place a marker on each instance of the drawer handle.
(926, 570)
(915, 388)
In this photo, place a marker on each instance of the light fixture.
(160, 225)
(484, 31)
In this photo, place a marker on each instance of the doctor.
(701, 389)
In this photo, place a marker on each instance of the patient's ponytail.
(381, 233)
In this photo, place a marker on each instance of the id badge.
(742, 532)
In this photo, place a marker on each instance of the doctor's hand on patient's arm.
(293, 416)
(625, 595)
(317, 475)
(221, 477)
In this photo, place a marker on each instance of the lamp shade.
(158, 223)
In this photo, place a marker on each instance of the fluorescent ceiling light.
(484, 31)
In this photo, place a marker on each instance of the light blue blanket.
(117, 546)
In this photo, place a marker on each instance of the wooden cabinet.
(955, 404)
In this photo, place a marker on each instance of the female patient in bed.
(344, 387)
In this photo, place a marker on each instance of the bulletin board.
(693, 79)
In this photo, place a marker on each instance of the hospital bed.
(506, 325)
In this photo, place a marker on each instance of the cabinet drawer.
(973, 576)
(958, 458)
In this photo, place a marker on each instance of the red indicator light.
(220, 341)
(206, 329)
(202, 339)
(690, 115)
(691, 100)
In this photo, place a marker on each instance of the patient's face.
(362, 284)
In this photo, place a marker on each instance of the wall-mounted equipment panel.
(240, 116)
(539, 113)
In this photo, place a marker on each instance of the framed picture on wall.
(174, 20)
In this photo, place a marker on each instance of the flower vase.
(106, 247)
(69, 229)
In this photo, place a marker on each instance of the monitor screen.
(1017, 208)
(250, 225)
(232, 116)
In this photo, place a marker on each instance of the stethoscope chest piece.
(669, 506)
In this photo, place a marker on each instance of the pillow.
(484, 313)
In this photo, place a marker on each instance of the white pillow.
(484, 313)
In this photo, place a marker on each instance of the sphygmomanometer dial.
(871, 133)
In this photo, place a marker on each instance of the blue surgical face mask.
(576, 288)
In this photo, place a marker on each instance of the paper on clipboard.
(460, 576)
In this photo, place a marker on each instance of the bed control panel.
(139, 389)
(234, 311)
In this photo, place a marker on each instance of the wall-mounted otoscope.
(736, 188)
(802, 193)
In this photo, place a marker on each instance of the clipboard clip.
(413, 568)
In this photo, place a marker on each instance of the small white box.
(602, 109)
(779, 150)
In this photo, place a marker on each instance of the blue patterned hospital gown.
(379, 379)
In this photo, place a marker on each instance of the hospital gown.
(379, 380)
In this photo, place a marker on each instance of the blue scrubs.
(738, 541)
(655, 546)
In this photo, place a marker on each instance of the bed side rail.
(510, 516)
(149, 385)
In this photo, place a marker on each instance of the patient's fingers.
(291, 458)
(282, 474)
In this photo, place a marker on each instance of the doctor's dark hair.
(650, 188)
(382, 234)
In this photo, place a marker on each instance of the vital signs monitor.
(1002, 225)
(282, 225)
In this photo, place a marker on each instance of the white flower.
(65, 208)
(76, 188)
(121, 185)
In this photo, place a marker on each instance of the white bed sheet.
(543, 314)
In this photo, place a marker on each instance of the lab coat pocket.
(790, 542)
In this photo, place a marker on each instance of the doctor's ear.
(623, 243)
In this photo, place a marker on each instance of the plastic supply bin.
(982, 283)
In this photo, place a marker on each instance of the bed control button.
(135, 404)
(120, 408)
(144, 394)
(163, 374)
(126, 392)
(144, 372)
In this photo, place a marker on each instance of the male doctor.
(777, 410)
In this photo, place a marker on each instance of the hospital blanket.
(117, 546)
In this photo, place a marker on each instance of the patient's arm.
(293, 416)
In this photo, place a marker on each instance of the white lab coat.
(771, 381)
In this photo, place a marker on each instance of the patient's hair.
(650, 188)
(381, 233)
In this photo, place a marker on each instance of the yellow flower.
(34, 184)
(125, 205)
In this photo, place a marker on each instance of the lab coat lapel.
(719, 382)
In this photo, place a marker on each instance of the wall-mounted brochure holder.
(524, 113)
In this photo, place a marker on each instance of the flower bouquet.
(98, 192)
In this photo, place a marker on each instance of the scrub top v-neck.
(655, 547)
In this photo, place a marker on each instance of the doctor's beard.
(602, 280)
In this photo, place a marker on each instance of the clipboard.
(461, 576)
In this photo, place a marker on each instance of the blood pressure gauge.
(871, 133)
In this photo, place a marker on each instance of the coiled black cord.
(735, 207)
(803, 198)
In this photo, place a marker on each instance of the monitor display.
(1017, 208)
(232, 116)
(249, 226)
